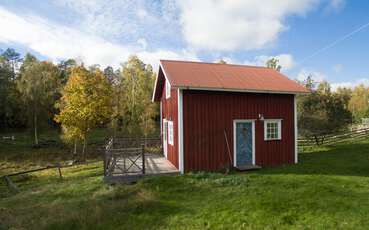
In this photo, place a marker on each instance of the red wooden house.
(205, 105)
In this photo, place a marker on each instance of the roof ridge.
(214, 63)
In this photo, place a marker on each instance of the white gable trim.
(156, 80)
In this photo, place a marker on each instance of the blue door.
(244, 143)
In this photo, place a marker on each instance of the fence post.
(105, 161)
(59, 170)
(143, 158)
(10, 184)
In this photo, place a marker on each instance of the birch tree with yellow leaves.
(85, 104)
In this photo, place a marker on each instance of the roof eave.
(243, 90)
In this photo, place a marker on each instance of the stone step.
(247, 167)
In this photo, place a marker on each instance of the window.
(272, 130)
(165, 130)
(170, 132)
(167, 89)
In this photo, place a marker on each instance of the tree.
(111, 75)
(322, 112)
(10, 108)
(38, 85)
(85, 103)
(359, 102)
(13, 58)
(221, 61)
(273, 64)
(65, 68)
(137, 111)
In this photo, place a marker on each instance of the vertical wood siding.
(170, 112)
(206, 114)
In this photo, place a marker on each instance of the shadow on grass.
(349, 159)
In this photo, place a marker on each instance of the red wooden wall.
(206, 114)
(170, 112)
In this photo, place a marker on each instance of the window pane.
(272, 130)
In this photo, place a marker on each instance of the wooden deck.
(155, 164)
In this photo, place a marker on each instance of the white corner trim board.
(296, 131)
(180, 131)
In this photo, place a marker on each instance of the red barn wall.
(170, 112)
(206, 114)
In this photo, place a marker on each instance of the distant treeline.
(40, 94)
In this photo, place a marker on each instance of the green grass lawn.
(19, 154)
(328, 189)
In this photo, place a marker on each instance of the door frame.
(252, 121)
(165, 137)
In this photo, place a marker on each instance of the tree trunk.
(84, 151)
(35, 127)
(75, 149)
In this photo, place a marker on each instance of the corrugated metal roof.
(214, 76)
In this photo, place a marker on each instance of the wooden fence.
(334, 138)
(127, 155)
(11, 185)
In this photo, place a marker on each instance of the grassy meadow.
(328, 189)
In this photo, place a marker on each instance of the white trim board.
(252, 121)
(296, 130)
(180, 132)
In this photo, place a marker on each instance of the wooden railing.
(334, 138)
(127, 155)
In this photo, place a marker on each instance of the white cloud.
(319, 77)
(125, 19)
(285, 60)
(350, 85)
(59, 42)
(142, 42)
(153, 57)
(56, 41)
(335, 5)
(239, 24)
(316, 76)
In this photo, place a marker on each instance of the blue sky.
(239, 31)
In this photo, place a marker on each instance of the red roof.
(214, 76)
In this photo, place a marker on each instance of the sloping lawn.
(328, 189)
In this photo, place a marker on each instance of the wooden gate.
(126, 156)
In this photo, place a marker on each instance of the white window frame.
(170, 133)
(167, 89)
(279, 126)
